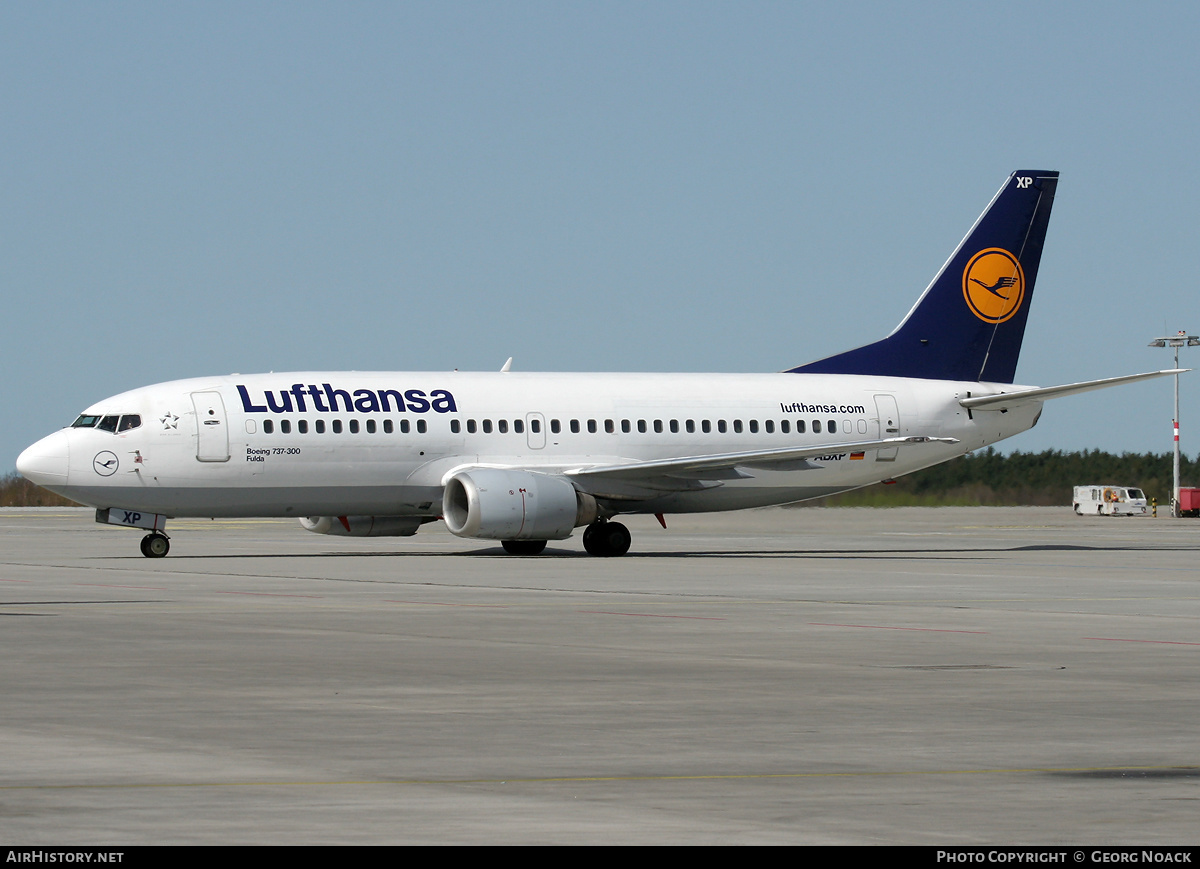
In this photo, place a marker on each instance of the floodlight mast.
(1179, 339)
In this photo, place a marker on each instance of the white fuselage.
(381, 443)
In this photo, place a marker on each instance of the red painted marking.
(651, 615)
(523, 516)
(1124, 640)
(892, 628)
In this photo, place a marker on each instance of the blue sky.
(203, 188)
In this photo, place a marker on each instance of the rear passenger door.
(889, 425)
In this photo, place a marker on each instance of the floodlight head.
(1180, 339)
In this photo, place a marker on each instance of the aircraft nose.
(45, 463)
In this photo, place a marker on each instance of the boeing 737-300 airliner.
(526, 458)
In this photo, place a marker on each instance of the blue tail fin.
(969, 322)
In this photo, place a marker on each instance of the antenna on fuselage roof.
(506, 366)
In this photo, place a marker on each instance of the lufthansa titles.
(326, 399)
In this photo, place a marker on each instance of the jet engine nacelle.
(514, 505)
(363, 526)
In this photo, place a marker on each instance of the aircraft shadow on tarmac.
(969, 554)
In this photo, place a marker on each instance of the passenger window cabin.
(117, 423)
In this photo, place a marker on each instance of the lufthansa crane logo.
(994, 285)
(105, 463)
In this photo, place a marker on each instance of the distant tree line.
(16, 491)
(983, 477)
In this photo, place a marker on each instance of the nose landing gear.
(155, 545)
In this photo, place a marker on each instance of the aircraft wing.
(1005, 400)
(688, 471)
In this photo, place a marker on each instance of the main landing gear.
(606, 539)
(523, 547)
(155, 545)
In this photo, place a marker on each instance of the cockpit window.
(112, 423)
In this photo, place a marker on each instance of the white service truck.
(1110, 501)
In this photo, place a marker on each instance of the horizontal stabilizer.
(1006, 400)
